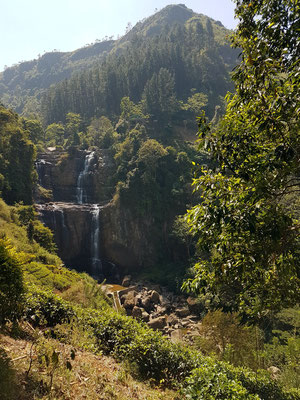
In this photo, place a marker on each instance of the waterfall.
(40, 166)
(58, 221)
(95, 250)
(80, 190)
(76, 225)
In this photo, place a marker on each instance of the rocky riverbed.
(177, 316)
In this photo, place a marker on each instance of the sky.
(29, 28)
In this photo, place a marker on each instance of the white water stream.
(95, 236)
(81, 195)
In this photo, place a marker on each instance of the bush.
(154, 356)
(11, 283)
(210, 382)
(45, 308)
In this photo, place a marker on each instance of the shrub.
(154, 356)
(210, 382)
(11, 283)
(45, 308)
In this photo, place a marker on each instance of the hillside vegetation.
(64, 336)
(236, 249)
(191, 46)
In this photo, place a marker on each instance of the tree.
(248, 242)
(35, 129)
(73, 125)
(159, 95)
(55, 134)
(17, 155)
(196, 103)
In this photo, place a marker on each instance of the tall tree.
(248, 242)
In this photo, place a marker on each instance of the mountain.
(22, 86)
(23, 83)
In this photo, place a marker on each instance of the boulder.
(157, 288)
(137, 312)
(160, 311)
(182, 312)
(158, 323)
(145, 316)
(129, 299)
(126, 281)
(146, 303)
(154, 297)
(172, 320)
(274, 371)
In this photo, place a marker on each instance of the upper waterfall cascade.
(80, 190)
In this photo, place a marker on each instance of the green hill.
(187, 33)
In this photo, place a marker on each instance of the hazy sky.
(31, 27)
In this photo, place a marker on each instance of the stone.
(126, 281)
(154, 297)
(157, 288)
(137, 312)
(172, 320)
(138, 300)
(182, 312)
(160, 310)
(145, 316)
(157, 323)
(274, 371)
(129, 299)
(146, 303)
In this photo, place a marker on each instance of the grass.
(91, 376)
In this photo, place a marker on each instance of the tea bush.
(154, 356)
(11, 283)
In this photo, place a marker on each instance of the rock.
(126, 281)
(154, 297)
(146, 303)
(157, 323)
(275, 372)
(176, 336)
(129, 299)
(172, 319)
(194, 305)
(160, 310)
(128, 312)
(145, 316)
(182, 312)
(137, 312)
(138, 300)
(157, 288)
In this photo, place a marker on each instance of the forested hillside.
(159, 70)
(22, 85)
(192, 49)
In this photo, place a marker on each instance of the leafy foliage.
(17, 173)
(153, 355)
(11, 283)
(248, 242)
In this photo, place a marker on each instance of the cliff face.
(77, 234)
(92, 233)
(60, 172)
(125, 240)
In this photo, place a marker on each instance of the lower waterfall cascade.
(95, 236)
